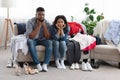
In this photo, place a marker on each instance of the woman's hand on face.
(64, 26)
(57, 26)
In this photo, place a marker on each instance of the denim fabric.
(32, 48)
(54, 35)
(59, 49)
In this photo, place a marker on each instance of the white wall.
(25, 9)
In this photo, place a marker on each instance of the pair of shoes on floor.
(86, 66)
(74, 66)
(29, 70)
(11, 64)
(42, 68)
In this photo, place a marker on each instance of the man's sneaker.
(44, 67)
(89, 68)
(84, 66)
(39, 67)
(72, 67)
(77, 66)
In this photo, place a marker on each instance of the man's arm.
(45, 30)
(36, 30)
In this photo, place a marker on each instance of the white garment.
(86, 42)
(18, 42)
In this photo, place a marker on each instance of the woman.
(59, 35)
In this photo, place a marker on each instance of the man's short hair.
(40, 9)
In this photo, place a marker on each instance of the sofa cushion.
(105, 49)
(20, 27)
(40, 48)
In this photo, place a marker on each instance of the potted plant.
(91, 19)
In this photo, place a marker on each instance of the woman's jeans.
(59, 49)
(32, 43)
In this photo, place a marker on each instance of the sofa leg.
(95, 64)
(92, 62)
(119, 65)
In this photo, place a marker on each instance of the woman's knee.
(55, 43)
(63, 46)
(63, 43)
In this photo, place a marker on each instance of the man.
(37, 30)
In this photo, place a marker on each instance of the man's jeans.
(32, 48)
(59, 49)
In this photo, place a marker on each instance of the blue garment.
(32, 48)
(59, 42)
(113, 32)
(54, 35)
(59, 49)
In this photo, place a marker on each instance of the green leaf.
(86, 9)
(102, 17)
(93, 24)
(98, 18)
(90, 31)
(91, 17)
(92, 11)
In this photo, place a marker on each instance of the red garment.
(75, 28)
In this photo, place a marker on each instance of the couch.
(106, 51)
(19, 28)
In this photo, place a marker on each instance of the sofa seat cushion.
(40, 48)
(105, 49)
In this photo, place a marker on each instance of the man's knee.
(49, 43)
(30, 42)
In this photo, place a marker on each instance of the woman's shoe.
(36, 71)
(31, 70)
(17, 70)
(58, 65)
(62, 64)
(26, 68)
